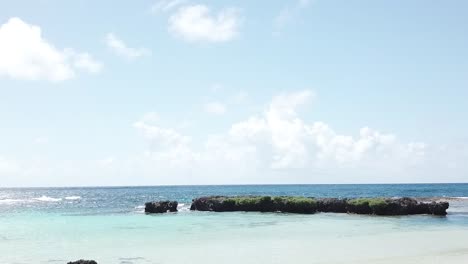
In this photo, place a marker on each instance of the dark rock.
(358, 208)
(297, 205)
(304, 205)
(211, 203)
(82, 261)
(438, 208)
(284, 204)
(395, 206)
(161, 207)
(333, 205)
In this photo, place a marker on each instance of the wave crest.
(47, 199)
(10, 201)
(73, 198)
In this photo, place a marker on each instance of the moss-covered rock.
(307, 205)
(255, 204)
(366, 205)
(334, 205)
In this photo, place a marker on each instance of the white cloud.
(196, 23)
(276, 145)
(25, 54)
(292, 143)
(166, 5)
(162, 138)
(120, 48)
(167, 146)
(215, 108)
(85, 61)
(280, 139)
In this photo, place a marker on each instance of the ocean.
(107, 224)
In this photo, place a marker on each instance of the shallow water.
(107, 224)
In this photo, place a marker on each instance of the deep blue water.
(107, 200)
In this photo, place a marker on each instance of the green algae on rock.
(309, 205)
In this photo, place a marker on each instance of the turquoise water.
(107, 224)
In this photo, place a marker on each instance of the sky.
(178, 92)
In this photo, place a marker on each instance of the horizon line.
(238, 184)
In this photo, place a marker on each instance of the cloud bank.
(275, 145)
(278, 139)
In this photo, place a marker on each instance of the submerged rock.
(82, 261)
(161, 207)
(304, 205)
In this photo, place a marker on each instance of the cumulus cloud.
(119, 47)
(290, 142)
(275, 145)
(163, 138)
(197, 23)
(215, 108)
(25, 54)
(166, 144)
(279, 138)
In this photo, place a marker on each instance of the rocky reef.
(307, 205)
(158, 207)
(82, 261)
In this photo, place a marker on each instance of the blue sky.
(222, 92)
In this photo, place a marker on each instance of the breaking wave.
(47, 199)
(183, 207)
(73, 198)
(11, 201)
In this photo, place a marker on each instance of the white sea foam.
(10, 201)
(183, 207)
(73, 198)
(47, 199)
(140, 209)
